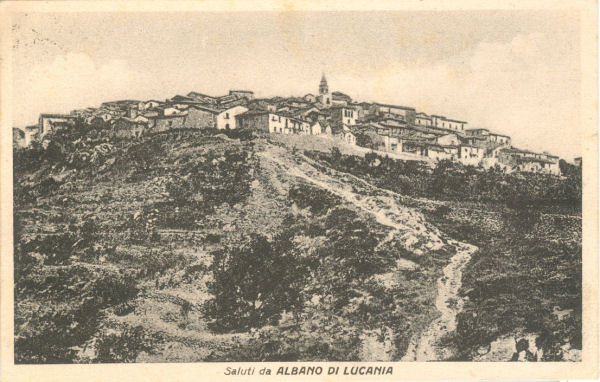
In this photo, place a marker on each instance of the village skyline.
(519, 80)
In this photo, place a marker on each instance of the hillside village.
(219, 229)
(388, 128)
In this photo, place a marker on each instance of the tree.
(336, 154)
(254, 282)
(351, 245)
(124, 346)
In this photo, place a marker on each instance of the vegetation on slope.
(528, 230)
(186, 246)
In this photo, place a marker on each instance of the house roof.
(334, 107)
(549, 155)
(205, 108)
(476, 137)
(260, 101)
(181, 115)
(315, 111)
(530, 159)
(455, 120)
(516, 150)
(420, 143)
(181, 97)
(121, 102)
(227, 98)
(340, 95)
(394, 106)
(447, 119)
(500, 135)
(382, 120)
(49, 115)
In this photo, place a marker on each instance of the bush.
(442, 211)
(124, 346)
(351, 244)
(317, 199)
(253, 283)
(75, 298)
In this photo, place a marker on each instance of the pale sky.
(514, 72)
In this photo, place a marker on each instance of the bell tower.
(324, 95)
(323, 88)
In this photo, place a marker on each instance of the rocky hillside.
(202, 246)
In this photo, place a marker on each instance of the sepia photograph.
(301, 186)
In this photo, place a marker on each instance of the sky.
(514, 72)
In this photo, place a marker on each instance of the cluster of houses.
(383, 127)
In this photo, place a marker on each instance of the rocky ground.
(151, 216)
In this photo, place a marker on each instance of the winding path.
(408, 227)
(426, 346)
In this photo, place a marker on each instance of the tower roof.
(323, 80)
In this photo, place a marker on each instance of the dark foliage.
(124, 346)
(317, 199)
(453, 181)
(254, 282)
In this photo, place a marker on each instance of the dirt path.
(408, 227)
(427, 347)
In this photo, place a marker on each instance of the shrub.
(317, 199)
(124, 346)
(351, 244)
(442, 211)
(47, 333)
(253, 283)
(336, 154)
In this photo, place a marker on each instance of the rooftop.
(50, 115)
(394, 106)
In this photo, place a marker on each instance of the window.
(279, 119)
(226, 115)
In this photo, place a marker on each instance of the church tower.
(324, 95)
